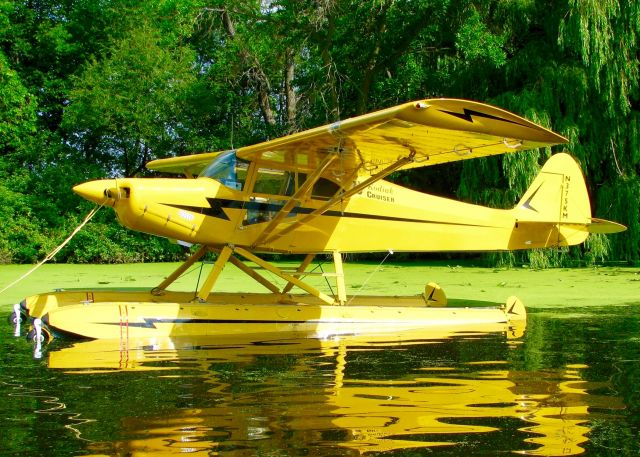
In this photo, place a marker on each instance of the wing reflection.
(342, 396)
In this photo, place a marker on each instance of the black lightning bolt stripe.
(527, 204)
(469, 114)
(217, 207)
(150, 322)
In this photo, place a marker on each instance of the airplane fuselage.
(382, 217)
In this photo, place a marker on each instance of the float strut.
(204, 292)
(342, 290)
(287, 277)
(181, 269)
(303, 266)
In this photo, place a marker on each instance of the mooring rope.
(57, 249)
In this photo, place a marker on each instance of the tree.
(127, 107)
(17, 111)
(94, 89)
(571, 66)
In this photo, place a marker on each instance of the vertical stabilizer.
(558, 193)
(555, 210)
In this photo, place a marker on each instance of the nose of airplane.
(97, 191)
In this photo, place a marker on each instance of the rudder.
(555, 210)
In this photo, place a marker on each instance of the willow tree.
(603, 37)
(572, 66)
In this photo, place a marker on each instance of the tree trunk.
(264, 88)
(327, 60)
(373, 64)
(258, 78)
(290, 92)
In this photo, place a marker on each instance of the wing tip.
(469, 110)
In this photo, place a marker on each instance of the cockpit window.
(228, 170)
(274, 182)
(231, 171)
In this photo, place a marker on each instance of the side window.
(273, 182)
(260, 209)
(323, 189)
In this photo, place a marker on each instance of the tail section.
(555, 210)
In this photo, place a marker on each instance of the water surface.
(568, 386)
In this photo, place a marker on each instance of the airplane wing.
(431, 131)
(188, 165)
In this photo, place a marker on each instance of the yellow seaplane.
(323, 191)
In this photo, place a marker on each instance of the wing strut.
(354, 190)
(296, 198)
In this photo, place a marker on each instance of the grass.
(569, 287)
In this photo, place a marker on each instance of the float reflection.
(341, 396)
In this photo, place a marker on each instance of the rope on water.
(57, 249)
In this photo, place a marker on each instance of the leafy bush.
(101, 242)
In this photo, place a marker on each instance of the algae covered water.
(567, 386)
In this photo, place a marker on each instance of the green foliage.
(477, 43)
(95, 89)
(126, 108)
(110, 243)
(619, 202)
(17, 110)
(597, 248)
(22, 239)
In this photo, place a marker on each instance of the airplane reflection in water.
(314, 398)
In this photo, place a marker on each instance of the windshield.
(227, 169)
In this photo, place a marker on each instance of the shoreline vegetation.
(555, 288)
(95, 90)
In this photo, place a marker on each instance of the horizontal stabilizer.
(604, 226)
(594, 226)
